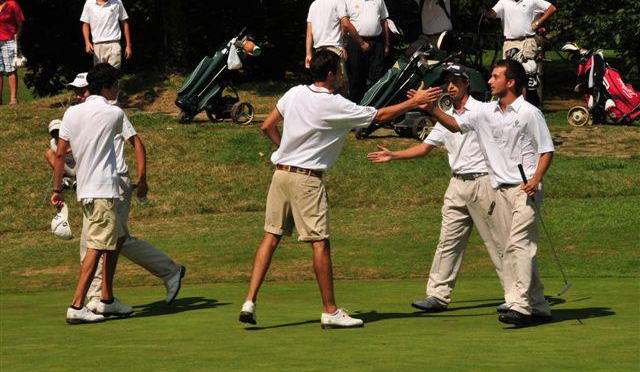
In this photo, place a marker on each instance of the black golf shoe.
(541, 318)
(514, 317)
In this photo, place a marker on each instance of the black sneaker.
(541, 318)
(514, 317)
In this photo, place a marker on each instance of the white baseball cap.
(59, 224)
(80, 81)
(54, 124)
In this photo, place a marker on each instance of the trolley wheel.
(424, 127)
(184, 118)
(242, 113)
(445, 102)
(578, 116)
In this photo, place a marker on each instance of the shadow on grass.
(563, 315)
(177, 306)
(256, 328)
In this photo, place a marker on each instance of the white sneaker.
(82, 316)
(339, 319)
(93, 304)
(248, 313)
(173, 284)
(116, 308)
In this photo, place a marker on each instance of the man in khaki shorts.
(101, 20)
(89, 129)
(469, 199)
(316, 122)
(513, 132)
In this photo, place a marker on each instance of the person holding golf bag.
(512, 133)
(469, 199)
(316, 123)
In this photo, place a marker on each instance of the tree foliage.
(171, 35)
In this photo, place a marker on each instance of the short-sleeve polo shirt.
(517, 16)
(104, 19)
(325, 16)
(365, 15)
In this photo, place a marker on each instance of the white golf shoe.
(116, 308)
(339, 319)
(173, 284)
(93, 304)
(83, 315)
(248, 313)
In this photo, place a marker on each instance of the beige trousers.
(139, 252)
(466, 203)
(517, 226)
(108, 51)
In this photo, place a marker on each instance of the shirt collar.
(95, 97)
(316, 89)
(514, 106)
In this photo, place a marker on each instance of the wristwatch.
(58, 191)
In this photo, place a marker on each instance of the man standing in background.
(101, 19)
(436, 18)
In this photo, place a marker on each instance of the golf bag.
(606, 95)
(203, 89)
(529, 57)
(425, 65)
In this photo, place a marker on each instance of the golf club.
(567, 285)
(46, 191)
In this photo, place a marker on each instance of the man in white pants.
(469, 199)
(316, 122)
(511, 131)
(89, 129)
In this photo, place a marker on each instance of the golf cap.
(54, 125)
(59, 224)
(456, 69)
(80, 81)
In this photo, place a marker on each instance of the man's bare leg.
(324, 274)
(109, 264)
(87, 270)
(261, 264)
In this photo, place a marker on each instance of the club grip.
(524, 176)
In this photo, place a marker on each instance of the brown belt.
(521, 38)
(308, 172)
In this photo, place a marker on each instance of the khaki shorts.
(100, 223)
(300, 200)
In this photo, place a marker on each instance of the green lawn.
(24, 95)
(595, 329)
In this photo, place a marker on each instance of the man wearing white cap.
(138, 251)
(468, 201)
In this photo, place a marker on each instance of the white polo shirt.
(104, 19)
(517, 16)
(68, 160)
(119, 142)
(90, 128)
(365, 15)
(517, 136)
(434, 19)
(316, 124)
(325, 16)
(465, 155)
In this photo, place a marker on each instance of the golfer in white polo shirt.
(468, 201)
(101, 20)
(316, 122)
(511, 131)
(89, 129)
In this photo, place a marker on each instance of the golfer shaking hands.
(316, 122)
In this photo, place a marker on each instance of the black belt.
(371, 38)
(468, 176)
(508, 185)
(308, 172)
(521, 38)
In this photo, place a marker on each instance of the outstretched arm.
(417, 99)
(270, 126)
(386, 155)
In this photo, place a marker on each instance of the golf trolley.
(203, 89)
(424, 66)
(608, 98)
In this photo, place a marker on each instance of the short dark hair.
(102, 75)
(323, 62)
(514, 71)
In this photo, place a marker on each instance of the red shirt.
(10, 16)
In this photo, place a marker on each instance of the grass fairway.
(595, 329)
